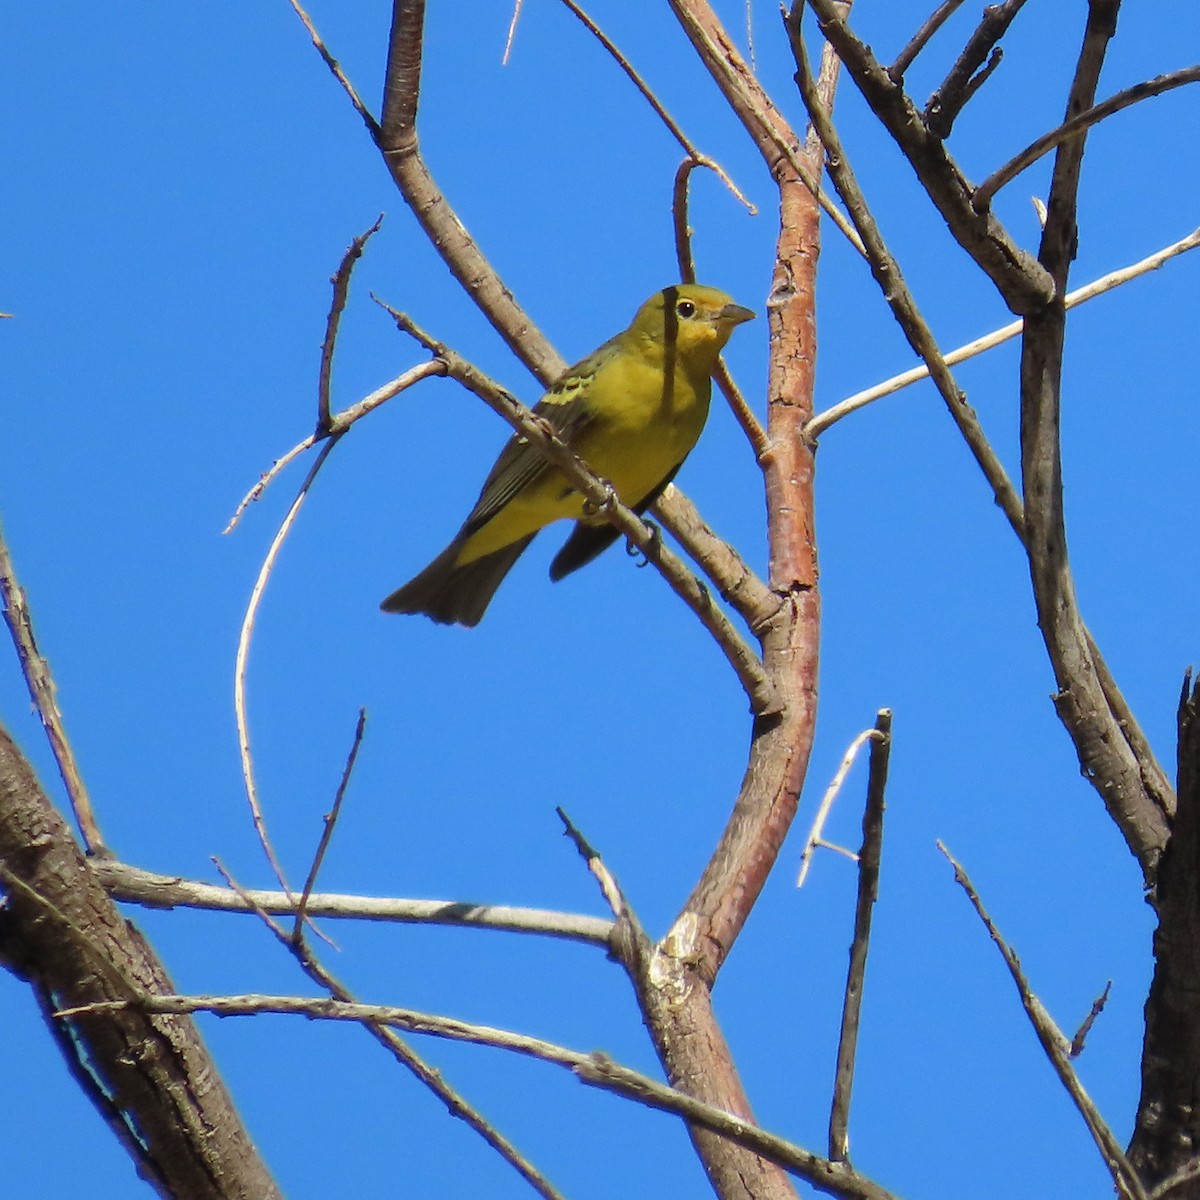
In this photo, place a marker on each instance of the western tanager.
(632, 410)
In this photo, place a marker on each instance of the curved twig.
(243, 654)
(982, 196)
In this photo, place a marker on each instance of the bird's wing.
(565, 406)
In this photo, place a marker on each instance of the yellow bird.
(632, 410)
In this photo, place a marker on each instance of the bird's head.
(694, 319)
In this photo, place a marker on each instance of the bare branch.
(336, 67)
(1056, 1047)
(1076, 125)
(920, 39)
(868, 892)
(1106, 283)
(595, 1070)
(1112, 755)
(152, 1076)
(1023, 283)
(136, 886)
(738, 586)
(962, 83)
(44, 694)
(341, 290)
(243, 655)
(329, 823)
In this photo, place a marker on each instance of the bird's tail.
(453, 594)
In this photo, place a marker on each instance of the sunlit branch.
(1106, 283)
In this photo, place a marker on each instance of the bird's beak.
(734, 314)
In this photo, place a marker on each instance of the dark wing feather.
(587, 541)
(565, 407)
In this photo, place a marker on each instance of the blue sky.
(182, 182)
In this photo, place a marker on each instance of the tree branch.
(1077, 125)
(151, 1074)
(1021, 281)
(595, 1070)
(1111, 754)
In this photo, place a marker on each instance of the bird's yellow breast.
(643, 420)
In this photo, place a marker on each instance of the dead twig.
(969, 73)
(869, 857)
(329, 823)
(341, 292)
(44, 693)
(1056, 1048)
(982, 196)
(595, 1070)
(920, 39)
(243, 656)
(1106, 283)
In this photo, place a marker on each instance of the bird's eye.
(686, 309)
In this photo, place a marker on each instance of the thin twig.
(689, 147)
(243, 654)
(133, 885)
(341, 291)
(969, 74)
(339, 423)
(329, 823)
(400, 1050)
(594, 1069)
(982, 196)
(745, 663)
(762, 120)
(920, 39)
(825, 807)
(1080, 1038)
(512, 32)
(869, 857)
(1055, 1046)
(336, 67)
(44, 693)
(1106, 283)
(742, 412)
